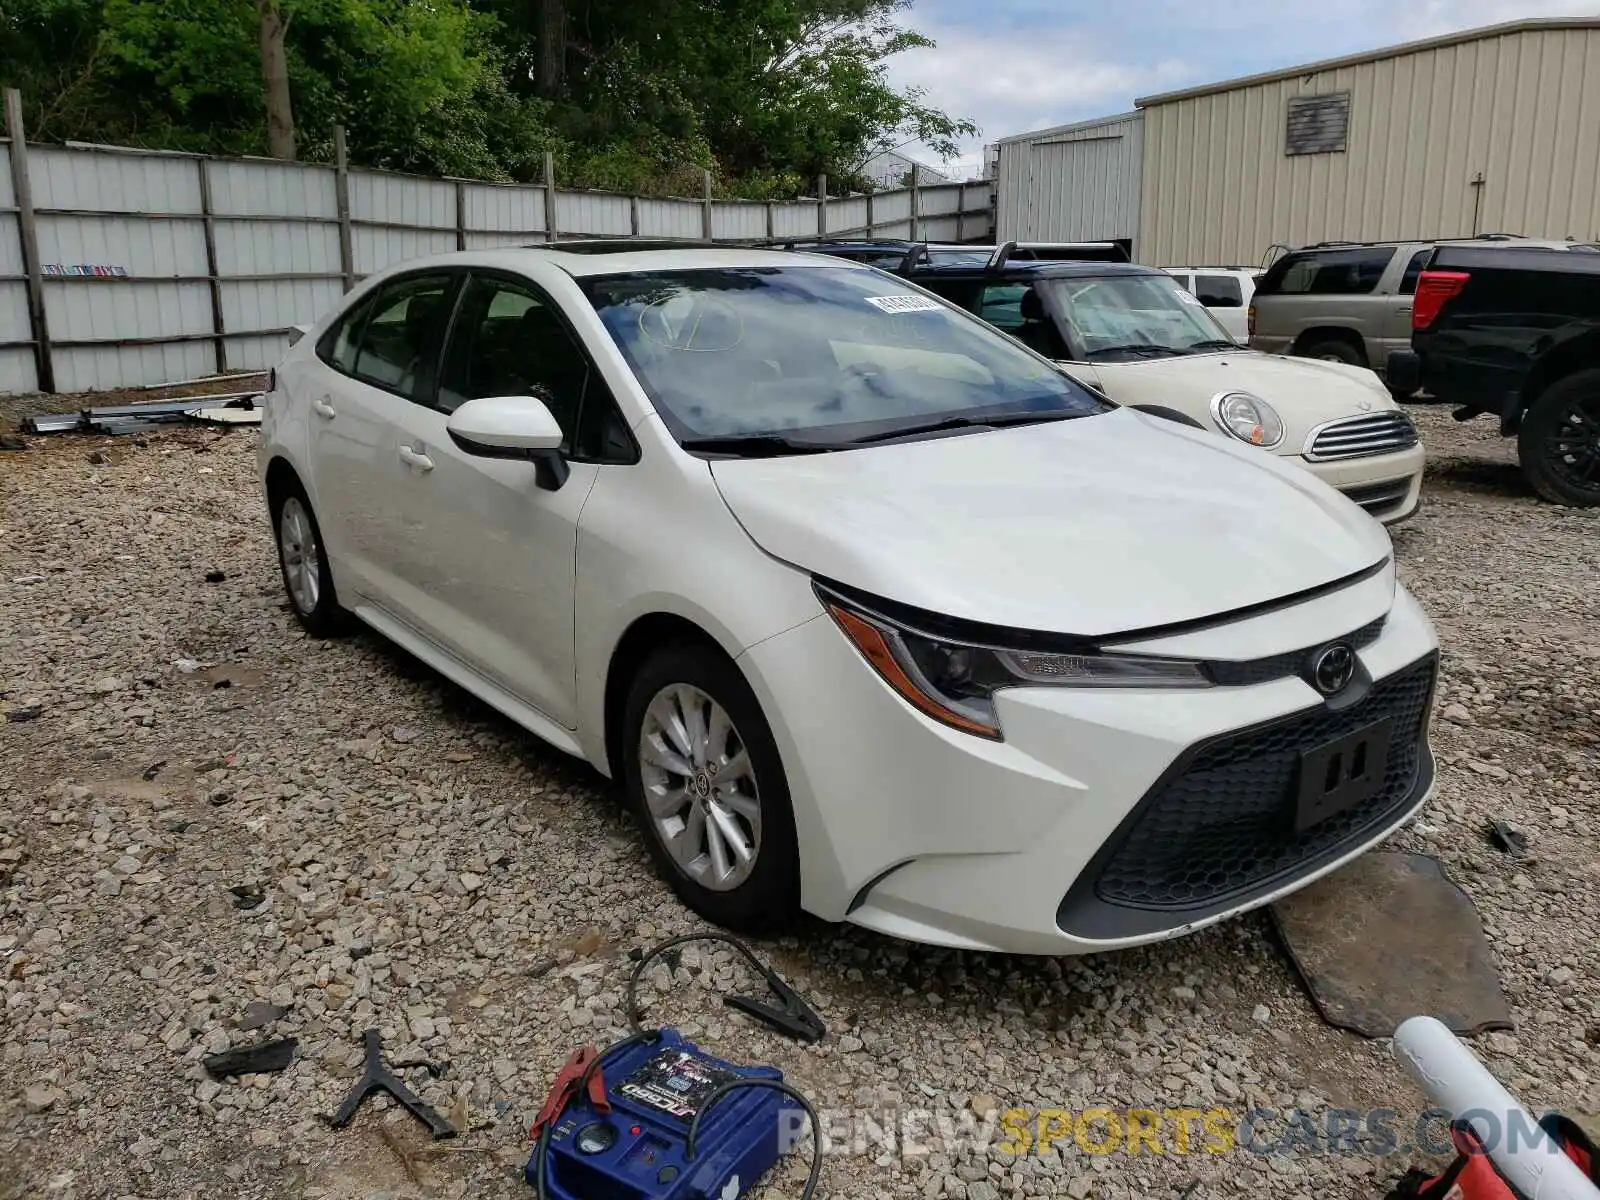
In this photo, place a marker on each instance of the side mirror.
(518, 427)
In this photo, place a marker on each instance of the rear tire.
(1558, 442)
(1333, 350)
(704, 779)
(303, 564)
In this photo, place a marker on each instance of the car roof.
(1220, 270)
(581, 260)
(1029, 268)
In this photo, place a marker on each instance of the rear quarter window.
(1353, 272)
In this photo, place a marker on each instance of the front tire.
(1558, 442)
(303, 563)
(706, 784)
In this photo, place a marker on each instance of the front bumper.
(921, 832)
(1389, 486)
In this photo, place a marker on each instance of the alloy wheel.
(1573, 445)
(302, 557)
(700, 787)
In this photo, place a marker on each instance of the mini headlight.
(1249, 418)
(954, 681)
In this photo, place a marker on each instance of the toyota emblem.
(1333, 668)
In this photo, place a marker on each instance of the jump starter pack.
(654, 1117)
(630, 1141)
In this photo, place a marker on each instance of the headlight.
(954, 681)
(1249, 418)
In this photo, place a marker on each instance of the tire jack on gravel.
(377, 1076)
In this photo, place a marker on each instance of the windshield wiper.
(991, 422)
(1136, 348)
(1215, 344)
(755, 445)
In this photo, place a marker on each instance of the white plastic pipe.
(1456, 1081)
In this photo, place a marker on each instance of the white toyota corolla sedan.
(865, 607)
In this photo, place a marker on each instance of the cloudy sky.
(1016, 65)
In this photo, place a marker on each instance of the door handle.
(323, 409)
(1405, 308)
(413, 459)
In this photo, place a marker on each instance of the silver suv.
(1347, 302)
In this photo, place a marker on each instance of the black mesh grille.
(1223, 825)
(1282, 666)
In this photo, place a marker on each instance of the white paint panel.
(141, 245)
(262, 352)
(595, 214)
(278, 303)
(954, 229)
(256, 189)
(894, 229)
(109, 182)
(891, 206)
(484, 241)
(941, 199)
(512, 209)
(119, 309)
(669, 218)
(8, 198)
(731, 219)
(14, 326)
(402, 199)
(10, 246)
(850, 213)
(17, 371)
(97, 368)
(276, 248)
(375, 249)
(795, 219)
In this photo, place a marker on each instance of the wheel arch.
(1330, 333)
(1581, 353)
(644, 635)
(280, 476)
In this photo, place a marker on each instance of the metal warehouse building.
(1071, 183)
(1489, 130)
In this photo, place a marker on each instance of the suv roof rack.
(622, 245)
(1475, 237)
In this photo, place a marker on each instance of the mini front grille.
(1356, 437)
(1218, 829)
(1281, 666)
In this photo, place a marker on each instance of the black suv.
(908, 258)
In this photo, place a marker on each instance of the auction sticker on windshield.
(904, 303)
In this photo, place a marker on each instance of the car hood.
(1102, 525)
(1306, 392)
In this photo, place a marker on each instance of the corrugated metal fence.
(124, 267)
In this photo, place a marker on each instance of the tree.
(275, 79)
(629, 95)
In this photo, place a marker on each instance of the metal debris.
(231, 408)
(259, 1059)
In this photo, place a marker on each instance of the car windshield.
(818, 356)
(1132, 317)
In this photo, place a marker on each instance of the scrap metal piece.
(259, 1059)
(1390, 936)
(43, 423)
(376, 1076)
(1507, 838)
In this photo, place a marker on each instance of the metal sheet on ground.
(1390, 937)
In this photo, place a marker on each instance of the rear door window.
(1408, 281)
(1219, 291)
(399, 343)
(1352, 272)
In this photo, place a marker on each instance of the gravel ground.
(175, 749)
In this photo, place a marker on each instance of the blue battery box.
(639, 1150)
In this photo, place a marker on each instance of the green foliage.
(644, 95)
